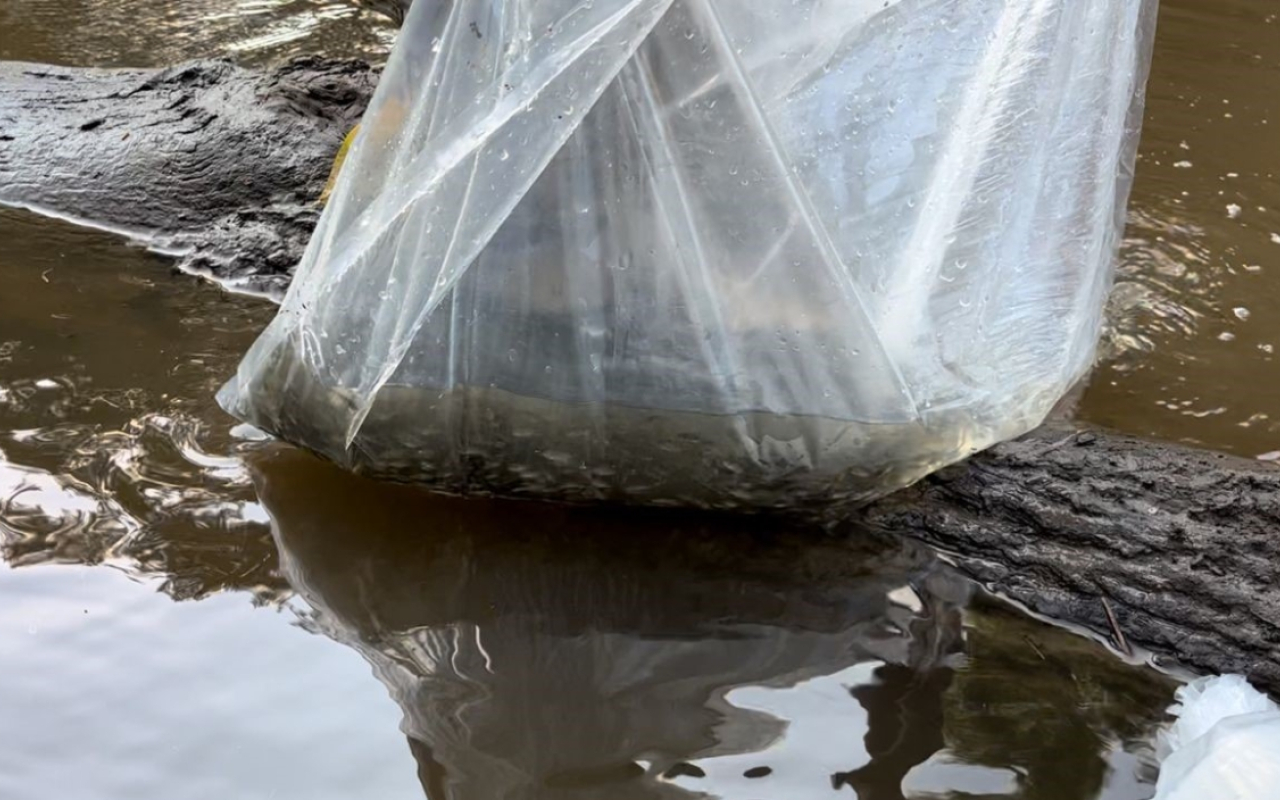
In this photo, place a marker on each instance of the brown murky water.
(144, 33)
(1197, 311)
(191, 613)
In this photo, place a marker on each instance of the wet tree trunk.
(215, 163)
(1153, 545)
(1163, 547)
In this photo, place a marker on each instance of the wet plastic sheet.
(737, 253)
(1225, 744)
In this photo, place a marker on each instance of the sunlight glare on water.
(111, 690)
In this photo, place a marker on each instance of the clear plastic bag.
(731, 253)
(1225, 744)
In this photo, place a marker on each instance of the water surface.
(189, 612)
(153, 33)
(1197, 310)
(193, 613)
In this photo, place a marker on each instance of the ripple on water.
(1181, 363)
(147, 498)
(142, 33)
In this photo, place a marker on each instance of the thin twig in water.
(1118, 634)
(1035, 647)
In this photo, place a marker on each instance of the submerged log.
(1168, 548)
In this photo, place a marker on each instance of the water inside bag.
(748, 254)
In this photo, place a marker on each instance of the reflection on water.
(549, 652)
(111, 691)
(148, 33)
(531, 651)
(1196, 315)
(1054, 707)
(111, 447)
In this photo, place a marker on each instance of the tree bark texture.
(1179, 546)
(219, 165)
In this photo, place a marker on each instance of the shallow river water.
(188, 612)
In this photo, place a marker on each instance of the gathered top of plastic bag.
(1225, 744)
(730, 253)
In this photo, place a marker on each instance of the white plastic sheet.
(735, 253)
(1224, 746)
